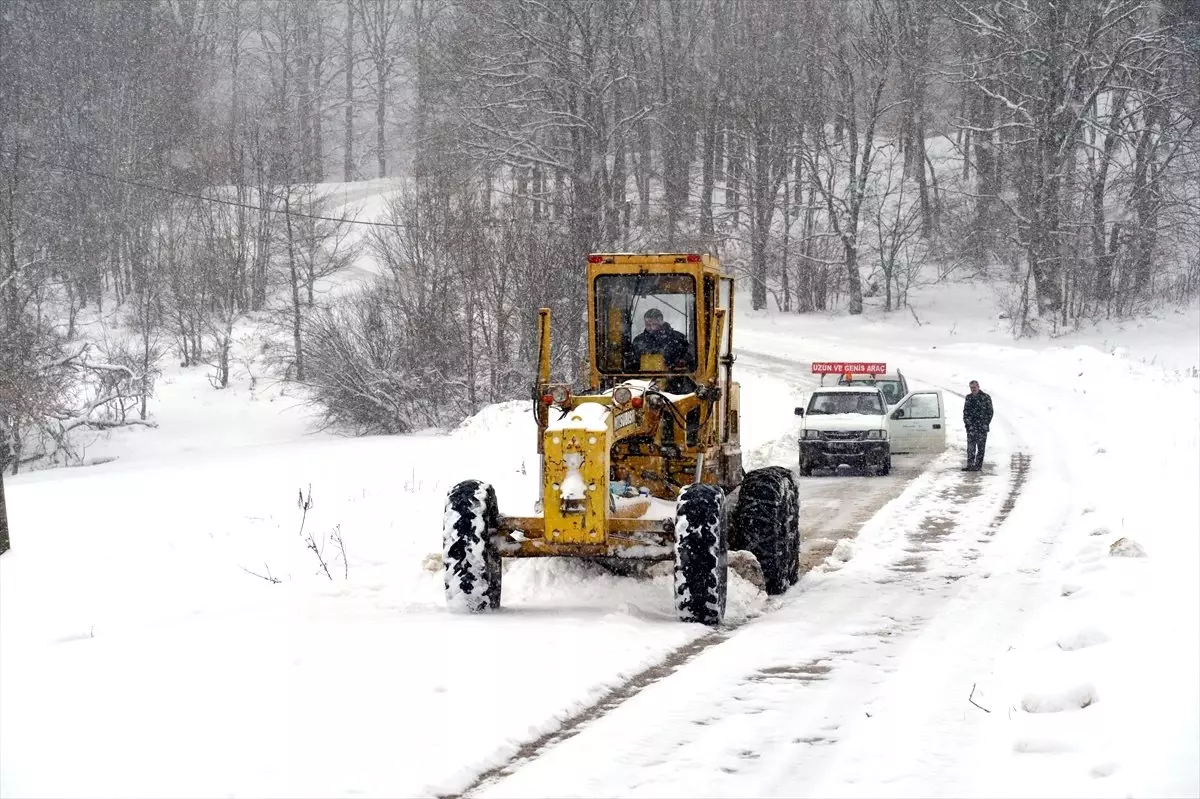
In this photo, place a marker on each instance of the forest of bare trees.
(160, 163)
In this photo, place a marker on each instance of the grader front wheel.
(471, 561)
(701, 554)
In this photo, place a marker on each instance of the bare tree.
(914, 23)
(764, 116)
(843, 159)
(899, 223)
(349, 64)
(380, 24)
(1055, 67)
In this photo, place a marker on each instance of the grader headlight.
(621, 395)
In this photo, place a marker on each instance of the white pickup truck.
(854, 425)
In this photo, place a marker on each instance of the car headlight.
(621, 395)
(812, 434)
(877, 434)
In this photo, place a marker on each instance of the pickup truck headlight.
(877, 434)
(812, 434)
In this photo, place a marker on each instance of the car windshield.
(856, 402)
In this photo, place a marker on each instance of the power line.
(190, 195)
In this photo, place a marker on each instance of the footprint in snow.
(1074, 698)
(1040, 746)
(1081, 639)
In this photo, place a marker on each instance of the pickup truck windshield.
(828, 402)
(891, 389)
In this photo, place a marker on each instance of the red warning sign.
(847, 368)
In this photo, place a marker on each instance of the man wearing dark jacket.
(977, 418)
(659, 338)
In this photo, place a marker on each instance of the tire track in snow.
(1020, 467)
(620, 694)
(965, 497)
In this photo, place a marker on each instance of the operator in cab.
(659, 338)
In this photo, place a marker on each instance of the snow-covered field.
(1032, 630)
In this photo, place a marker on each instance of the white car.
(854, 425)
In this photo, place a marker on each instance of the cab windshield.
(857, 402)
(631, 341)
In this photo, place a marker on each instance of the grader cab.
(646, 463)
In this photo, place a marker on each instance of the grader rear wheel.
(766, 523)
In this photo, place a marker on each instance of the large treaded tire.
(766, 522)
(472, 564)
(701, 554)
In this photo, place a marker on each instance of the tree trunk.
(927, 220)
(645, 164)
(1101, 252)
(380, 137)
(785, 246)
(5, 542)
(316, 101)
(303, 91)
(805, 293)
(295, 280)
(707, 183)
(763, 203)
(617, 179)
(348, 137)
(733, 176)
(469, 348)
(853, 278)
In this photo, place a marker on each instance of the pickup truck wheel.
(766, 523)
(472, 564)
(806, 468)
(701, 554)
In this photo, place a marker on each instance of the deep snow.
(980, 636)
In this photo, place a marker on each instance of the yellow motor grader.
(646, 463)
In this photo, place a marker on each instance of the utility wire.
(179, 193)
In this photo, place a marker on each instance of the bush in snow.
(371, 372)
